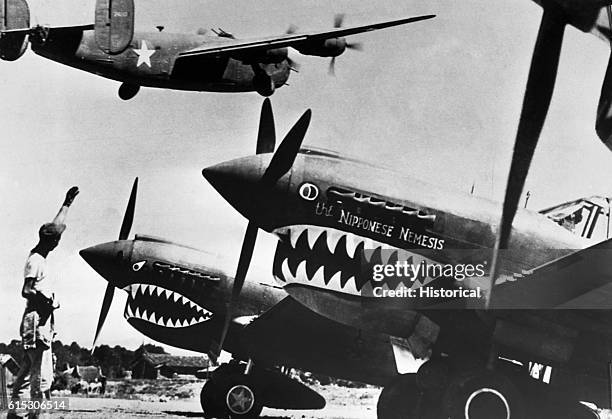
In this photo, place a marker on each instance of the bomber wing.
(237, 48)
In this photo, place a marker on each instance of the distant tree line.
(114, 361)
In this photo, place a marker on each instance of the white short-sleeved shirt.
(36, 267)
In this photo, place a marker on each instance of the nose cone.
(106, 259)
(237, 181)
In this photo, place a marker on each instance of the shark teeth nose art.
(338, 261)
(163, 307)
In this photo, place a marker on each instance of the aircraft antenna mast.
(608, 226)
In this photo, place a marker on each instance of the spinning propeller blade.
(356, 46)
(126, 226)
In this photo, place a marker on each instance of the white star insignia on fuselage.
(144, 54)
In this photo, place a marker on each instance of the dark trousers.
(31, 365)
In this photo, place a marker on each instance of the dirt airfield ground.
(342, 402)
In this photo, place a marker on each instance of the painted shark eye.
(136, 267)
(309, 191)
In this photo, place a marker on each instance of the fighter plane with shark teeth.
(177, 295)
(215, 63)
(337, 219)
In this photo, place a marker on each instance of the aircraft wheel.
(264, 85)
(584, 412)
(483, 395)
(211, 401)
(241, 398)
(398, 398)
(402, 399)
(433, 376)
(128, 90)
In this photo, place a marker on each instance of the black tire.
(211, 400)
(128, 91)
(584, 412)
(483, 395)
(433, 376)
(399, 398)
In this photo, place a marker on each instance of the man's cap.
(51, 231)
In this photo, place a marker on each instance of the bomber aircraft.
(216, 63)
(179, 296)
(338, 219)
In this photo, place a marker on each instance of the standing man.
(36, 325)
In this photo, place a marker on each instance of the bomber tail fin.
(14, 28)
(114, 25)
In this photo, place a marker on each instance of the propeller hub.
(238, 182)
(109, 259)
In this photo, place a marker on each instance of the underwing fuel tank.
(14, 28)
(114, 25)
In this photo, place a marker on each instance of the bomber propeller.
(357, 46)
(124, 233)
(538, 94)
(281, 163)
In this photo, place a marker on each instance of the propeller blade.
(128, 218)
(281, 162)
(126, 226)
(603, 124)
(332, 67)
(287, 151)
(266, 138)
(293, 65)
(106, 303)
(338, 20)
(538, 94)
(291, 29)
(246, 253)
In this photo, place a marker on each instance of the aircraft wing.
(28, 30)
(557, 283)
(237, 47)
(321, 345)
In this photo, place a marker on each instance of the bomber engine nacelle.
(14, 28)
(327, 48)
(274, 56)
(270, 56)
(114, 25)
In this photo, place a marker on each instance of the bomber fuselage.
(149, 61)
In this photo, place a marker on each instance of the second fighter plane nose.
(98, 256)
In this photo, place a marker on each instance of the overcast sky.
(438, 99)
